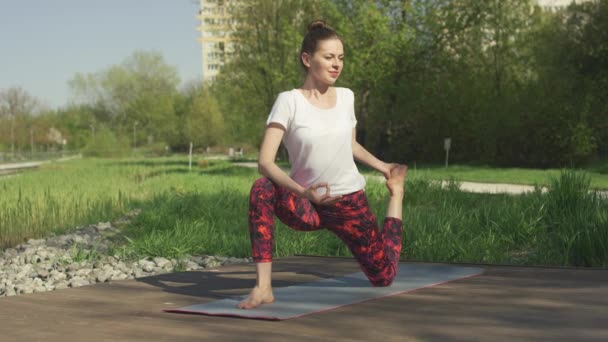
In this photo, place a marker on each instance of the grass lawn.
(204, 211)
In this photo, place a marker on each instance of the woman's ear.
(305, 59)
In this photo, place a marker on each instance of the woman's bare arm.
(268, 168)
(266, 160)
(365, 157)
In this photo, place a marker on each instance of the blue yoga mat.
(313, 297)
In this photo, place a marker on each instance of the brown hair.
(318, 30)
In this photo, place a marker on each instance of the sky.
(44, 43)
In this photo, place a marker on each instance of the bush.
(159, 149)
(576, 222)
(106, 144)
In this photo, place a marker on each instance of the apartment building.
(215, 25)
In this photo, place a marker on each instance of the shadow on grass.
(229, 171)
(150, 163)
(164, 162)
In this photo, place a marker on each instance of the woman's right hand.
(325, 199)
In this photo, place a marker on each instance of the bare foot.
(257, 297)
(396, 181)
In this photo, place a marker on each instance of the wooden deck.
(504, 304)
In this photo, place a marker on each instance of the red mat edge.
(275, 319)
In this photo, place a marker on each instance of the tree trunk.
(363, 113)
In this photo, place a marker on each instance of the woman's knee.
(384, 278)
(261, 183)
(261, 186)
(383, 281)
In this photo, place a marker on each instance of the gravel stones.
(59, 262)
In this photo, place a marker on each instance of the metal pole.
(32, 140)
(134, 131)
(12, 135)
(190, 158)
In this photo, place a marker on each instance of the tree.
(15, 105)
(511, 85)
(200, 119)
(267, 37)
(141, 89)
(378, 43)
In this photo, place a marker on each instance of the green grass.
(60, 196)
(598, 174)
(204, 211)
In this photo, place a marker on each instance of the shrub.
(106, 144)
(576, 223)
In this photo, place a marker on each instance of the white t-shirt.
(319, 141)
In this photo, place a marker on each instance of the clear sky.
(44, 43)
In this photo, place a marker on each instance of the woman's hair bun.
(318, 30)
(316, 25)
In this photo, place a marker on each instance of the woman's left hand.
(386, 168)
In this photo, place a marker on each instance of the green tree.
(136, 95)
(268, 35)
(200, 119)
(16, 105)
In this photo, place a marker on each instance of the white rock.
(40, 289)
(212, 263)
(61, 285)
(102, 275)
(83, 272)
(77, 282)
(190, 265)
(161, 262)
(57, 276)
(101, 226)
(34, 242)
(120, 276)
(148, 267)
(45, 265)
(43, 273)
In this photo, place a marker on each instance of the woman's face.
(325, 65)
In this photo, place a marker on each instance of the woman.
(324, 190)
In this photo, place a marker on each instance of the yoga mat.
(313, 297)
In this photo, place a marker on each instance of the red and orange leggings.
(350, 219)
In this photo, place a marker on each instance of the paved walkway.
(503, 304)
(8, 168)
(33, 164)
(20, 166)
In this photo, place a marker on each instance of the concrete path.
(33, 164)
(494, 188)
(8, 168)
(24, 165)
(504, 304)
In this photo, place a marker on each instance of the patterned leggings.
(350, 219)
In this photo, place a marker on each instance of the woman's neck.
(315, 88)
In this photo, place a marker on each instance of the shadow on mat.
(217, 284)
